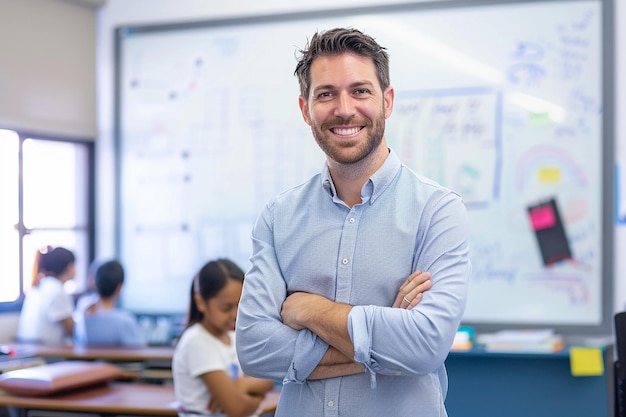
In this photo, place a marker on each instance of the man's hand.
(410, 293)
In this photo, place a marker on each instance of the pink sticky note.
(542, 217)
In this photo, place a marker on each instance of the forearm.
(327, 319)
(333, 371)
(334, 364)
(334, 357)
(255, 386)
(229, 396)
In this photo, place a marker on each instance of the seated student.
(46, 315)
(206, 371)
(103, 324)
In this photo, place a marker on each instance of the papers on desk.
(536, 341)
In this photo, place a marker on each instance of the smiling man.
(327, 306)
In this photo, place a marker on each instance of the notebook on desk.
(534, 341)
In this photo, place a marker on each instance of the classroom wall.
(47, 67)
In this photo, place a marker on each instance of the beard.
(348, 151)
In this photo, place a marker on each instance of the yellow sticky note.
(586, 361)
(550, 175)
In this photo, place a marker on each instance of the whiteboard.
(502, 103)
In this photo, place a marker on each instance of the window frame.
(16, 306)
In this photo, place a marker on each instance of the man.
(318, 309)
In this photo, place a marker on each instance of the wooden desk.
(113, 354)
(132, 399)
(129, 399)
(150, 363)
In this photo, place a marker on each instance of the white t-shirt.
(197, 353)
(44, 307)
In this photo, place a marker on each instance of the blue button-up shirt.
(307, 239)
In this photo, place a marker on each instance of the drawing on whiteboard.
(451, 136)
(548, 165)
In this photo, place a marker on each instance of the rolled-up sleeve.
(306, 356)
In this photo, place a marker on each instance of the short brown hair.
(339, 41)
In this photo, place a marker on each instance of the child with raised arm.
(207, 376)
(46, 315)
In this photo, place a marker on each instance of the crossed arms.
(329, 320)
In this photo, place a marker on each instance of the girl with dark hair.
(207, 376)
(46, 315)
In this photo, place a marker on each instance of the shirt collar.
(375, 185)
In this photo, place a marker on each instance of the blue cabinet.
(503, 384)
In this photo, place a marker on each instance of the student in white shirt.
(46, 315)
(207, 375)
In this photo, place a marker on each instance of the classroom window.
(45, 184)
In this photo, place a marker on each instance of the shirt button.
(331, 403)
(351, 220)
(344, 261)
